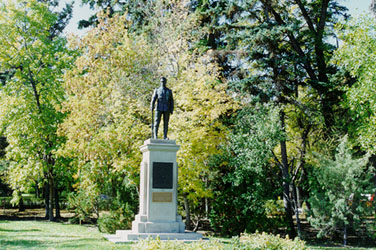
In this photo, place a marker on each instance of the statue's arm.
(172, 103)
(153, 99)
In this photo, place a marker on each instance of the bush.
(337, 197)
(83, 206)
(266, 241)
(120, 218)
(245, 242)
(111, 210)
(150, 244)
(244, 178)
(274, 207)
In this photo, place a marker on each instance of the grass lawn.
(354, 245)
(29, 234)
(324, 246)
(51, 235)
(340, 248)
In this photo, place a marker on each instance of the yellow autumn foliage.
(107, 103)
(109, 98)
(200, 98)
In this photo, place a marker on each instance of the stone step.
(124, 236)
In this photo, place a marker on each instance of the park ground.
(27, 230)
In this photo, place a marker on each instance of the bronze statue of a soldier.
(165, 107)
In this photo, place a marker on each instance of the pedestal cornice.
(159, 145)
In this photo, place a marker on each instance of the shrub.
(120, 218)
(83, 207)
(274, 207)
(244, 178)
(337, 192)
(266, 241)
(150, 244)
(255, 241)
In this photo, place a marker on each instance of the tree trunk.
(47, 198)
(187, 212)
(206, 208)
(206, 200)
(57, 205)
(37, 188)
(286, 182)
(296, 206)
(372, 160)
(21, 206)
(51, 197)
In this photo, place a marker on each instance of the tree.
(30, 98)
(245, 176)
(356, 57)
(338, 201)
(277, 51)
(138, 12)
(372, 7)
(109, 91)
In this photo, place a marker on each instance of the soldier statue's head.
(163, 81)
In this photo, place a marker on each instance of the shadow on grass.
(30, 218)
(87, 243)
(19, 230)
(21, 243)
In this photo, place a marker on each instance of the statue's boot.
(165, 130)
(156, 132)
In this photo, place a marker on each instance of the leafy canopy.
(33, 93)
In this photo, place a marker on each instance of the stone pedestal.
(158, 196)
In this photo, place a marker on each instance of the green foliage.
(31, 96)
(108, 103)
(84, 206)
(138, 12)
(357, 56)
(278, 52)
(268, 241)
(274, 207)
(338, 189)
(269, 48)
(115, 219)
(246, 241)
(244, 177)
(119, 211)
(29, 201)
(109, 93)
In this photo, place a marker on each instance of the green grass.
(51, 235)
(340, 248)
(337, 246)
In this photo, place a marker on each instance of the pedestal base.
(124, 236)
(141, 225)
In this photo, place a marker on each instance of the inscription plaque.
(162, 175)
(162, 197)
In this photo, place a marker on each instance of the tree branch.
(294, 43)
(323, 15)
(277, 160)
(33, 84)
(306, 16)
